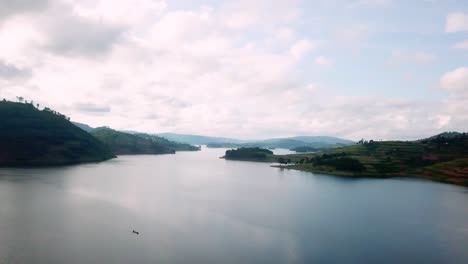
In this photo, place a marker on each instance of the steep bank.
(33, 137)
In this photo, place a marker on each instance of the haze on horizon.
(381, 69)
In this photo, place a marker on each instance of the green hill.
(83, 126)
(317, 142)
(167, 143)
(31, 137)
(441, 158)
(122, 141)
(438, 158)
(125, 144)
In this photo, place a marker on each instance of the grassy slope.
(444, 161)
(30, 137)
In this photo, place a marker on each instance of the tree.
(20, 98)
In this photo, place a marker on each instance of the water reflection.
(196, 208)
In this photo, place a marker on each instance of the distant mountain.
(33, 137)
(198, 140)
(83, 126)
(124, 143)
(319, 142)
(297, 142)
(324, 139)
(445, 135)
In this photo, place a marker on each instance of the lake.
(193, 207)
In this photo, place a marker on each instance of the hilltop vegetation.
(33, 137)
(122, 143)
(127, 142)
(442, 158)
(255, 154)
(176, 146)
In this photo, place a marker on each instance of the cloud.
(9, 71)
(323, 61)
(456, 22)
(237, 68)
(372, 3)
(443, 121)
(417, 58)
(67, 32)
(456, 80)
(285, 34)
(259, 14)
(80, 37)
(92, 108)
(15, 7)
(351, 35)
(301, 48)
(461, 45)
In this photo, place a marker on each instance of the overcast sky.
(381, 69)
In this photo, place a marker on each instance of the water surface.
(195, 208)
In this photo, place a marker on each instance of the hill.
(167, 143)
(438, 158)
(324, 139)
(292, 143)
(83, 126)
(198, 140)
(316, 142)
(124, 144)
(33, 137)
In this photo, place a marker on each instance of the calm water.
(196, 208)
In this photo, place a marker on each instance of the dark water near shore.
(196, 208)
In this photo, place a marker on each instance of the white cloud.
(323, 61)
(418, 58)
(351, 35)
(461, 45)
(285, 35)
(456, 22)
(230, 69)
(259, 14)
(456, 80)
(443, 121)
(372, 3)
(301, 48)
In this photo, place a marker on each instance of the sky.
(373, 69)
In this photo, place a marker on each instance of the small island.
(252, 154)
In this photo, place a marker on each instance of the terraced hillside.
(442, 158)
(438, 158)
